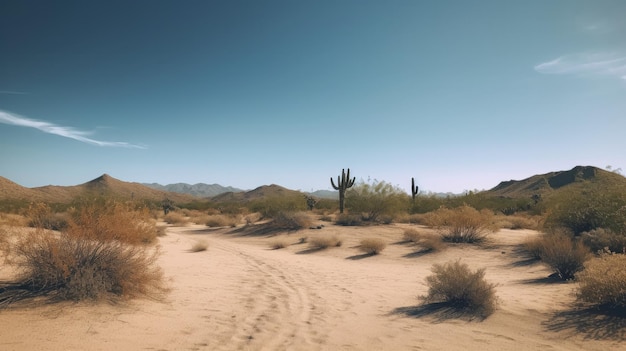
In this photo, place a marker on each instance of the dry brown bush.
(517, 222)
(372, 246)
(110, 220)
(431, 242)
(279, 243)
(456, 285)
(349, 220)
(412, 235)
(462, 225)
(175, 218)
(603, 282)
(41, 216)
(324, 241)
(220, 220)
(563, 254)
(414, 218)
(13, 220)
(285, 220)
(64, 267)
(199, 245)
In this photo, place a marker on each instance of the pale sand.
(240, 295)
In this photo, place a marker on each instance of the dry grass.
(279, 243)
(563, 254)
(372, 246)
(427, 241)
(13, 220)
(112, 221)
(603, 282)
(457, 286)
(219, 220)
(324, 242)
(175, 218)
(284, 220)
(200, 245)
(462, 225)
(64, 267)
(517, 222)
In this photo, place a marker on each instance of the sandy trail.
(240, 295)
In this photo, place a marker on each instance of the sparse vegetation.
(377, 201)
(461, 225)
(218, 220)
(456, 285)
(348, 220)
(199, 245)
(324, 242)
(41, 216)
(372, 246)
(279, 243)
(427, 241)
(175, 218)
(603, 282)
(566, 256)
(600, 239)
(412, 235)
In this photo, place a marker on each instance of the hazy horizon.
(459, 95)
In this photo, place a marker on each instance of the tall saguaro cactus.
(414, 189)
(343, 183)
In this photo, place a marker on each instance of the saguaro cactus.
(343, 183)
(414, 189)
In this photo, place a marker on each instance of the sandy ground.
(241, 295)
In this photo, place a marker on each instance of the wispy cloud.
(67, 132)
(586, 64)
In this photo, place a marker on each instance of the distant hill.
(544, 184)
(264, 191)
(104, 185)
(326, 194)
(198, 190)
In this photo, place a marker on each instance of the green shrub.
(372, 246)
(63, 267)
(603, 282)
(376, 201)
(600, 239)
(587, 206)
(563, 254)
(462, 224)
(456, 285)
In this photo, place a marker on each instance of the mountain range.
(106, 185)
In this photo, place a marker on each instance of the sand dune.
(240, 295)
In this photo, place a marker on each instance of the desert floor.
(241, 295)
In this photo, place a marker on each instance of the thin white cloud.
(67, 132)
(586, 64)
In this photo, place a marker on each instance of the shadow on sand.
(439, 312)
(361, 256)
(592, 323)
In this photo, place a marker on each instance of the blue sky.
(458, 94)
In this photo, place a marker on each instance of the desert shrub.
(111, 220)
(516, 222)
(428, 241)
(279, 243)
(348, 220)
(414, 218)
(462, 224)
(534, 246)
(326, 218)
(372, 246)
(599, 239)
(412, 235)
(218, 220)
(587, 206)
(63, 267)
(41, 216)
(603, 282)
(284, 220)
(199, 245)
(271, 206)
(176, 218)
(324, 242)
(376, 199)
(565, 255)
(455, 284)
